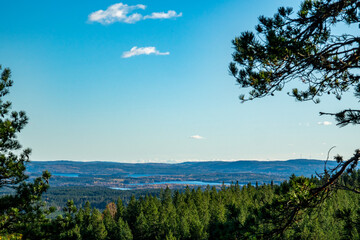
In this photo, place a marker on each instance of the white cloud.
(120, 12)
(325, 123)
(117, 13)
(163, 15)
(135, 51)
(198, 137)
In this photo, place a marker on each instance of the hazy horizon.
(183, 161)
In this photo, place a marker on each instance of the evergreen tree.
(120, 209)
(22, 211)
(123, 231)
(91, 224)
(302, 47)
(110, 224)
(96, 226)
(66, 227)
(132, 212)
(167, 215)
(141, 227)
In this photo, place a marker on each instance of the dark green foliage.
(234, 212)
(22, 211)
(302, 47)
(123, 230)
(91, 224)
(65, 226)
(120, 209)
(98, 196)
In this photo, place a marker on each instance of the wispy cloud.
(325, 123)
(120, 12)
(135, 51)
(198, 137)
(163, 15)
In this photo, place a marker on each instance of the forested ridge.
(233, 212)
(305, 167)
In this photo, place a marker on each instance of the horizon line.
(178, 161)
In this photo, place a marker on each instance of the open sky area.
(148, 81)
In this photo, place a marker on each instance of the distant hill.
(304, 167)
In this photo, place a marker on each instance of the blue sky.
(89, 97)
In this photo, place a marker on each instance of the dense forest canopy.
(233, 212)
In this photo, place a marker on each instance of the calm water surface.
(120, 188)
(65, 174)
(183, 183)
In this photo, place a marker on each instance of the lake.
(137, 175)
(120, 188)
(65, 174)
(200, 183)
(182, 183)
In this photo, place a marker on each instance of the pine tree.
(97, 227)
(141, 227)
(123, 231)
(109, 223)
(302, 47)
(120, 209)
(91, 223)
(132, 212)
(65, 227)
(22, 211)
